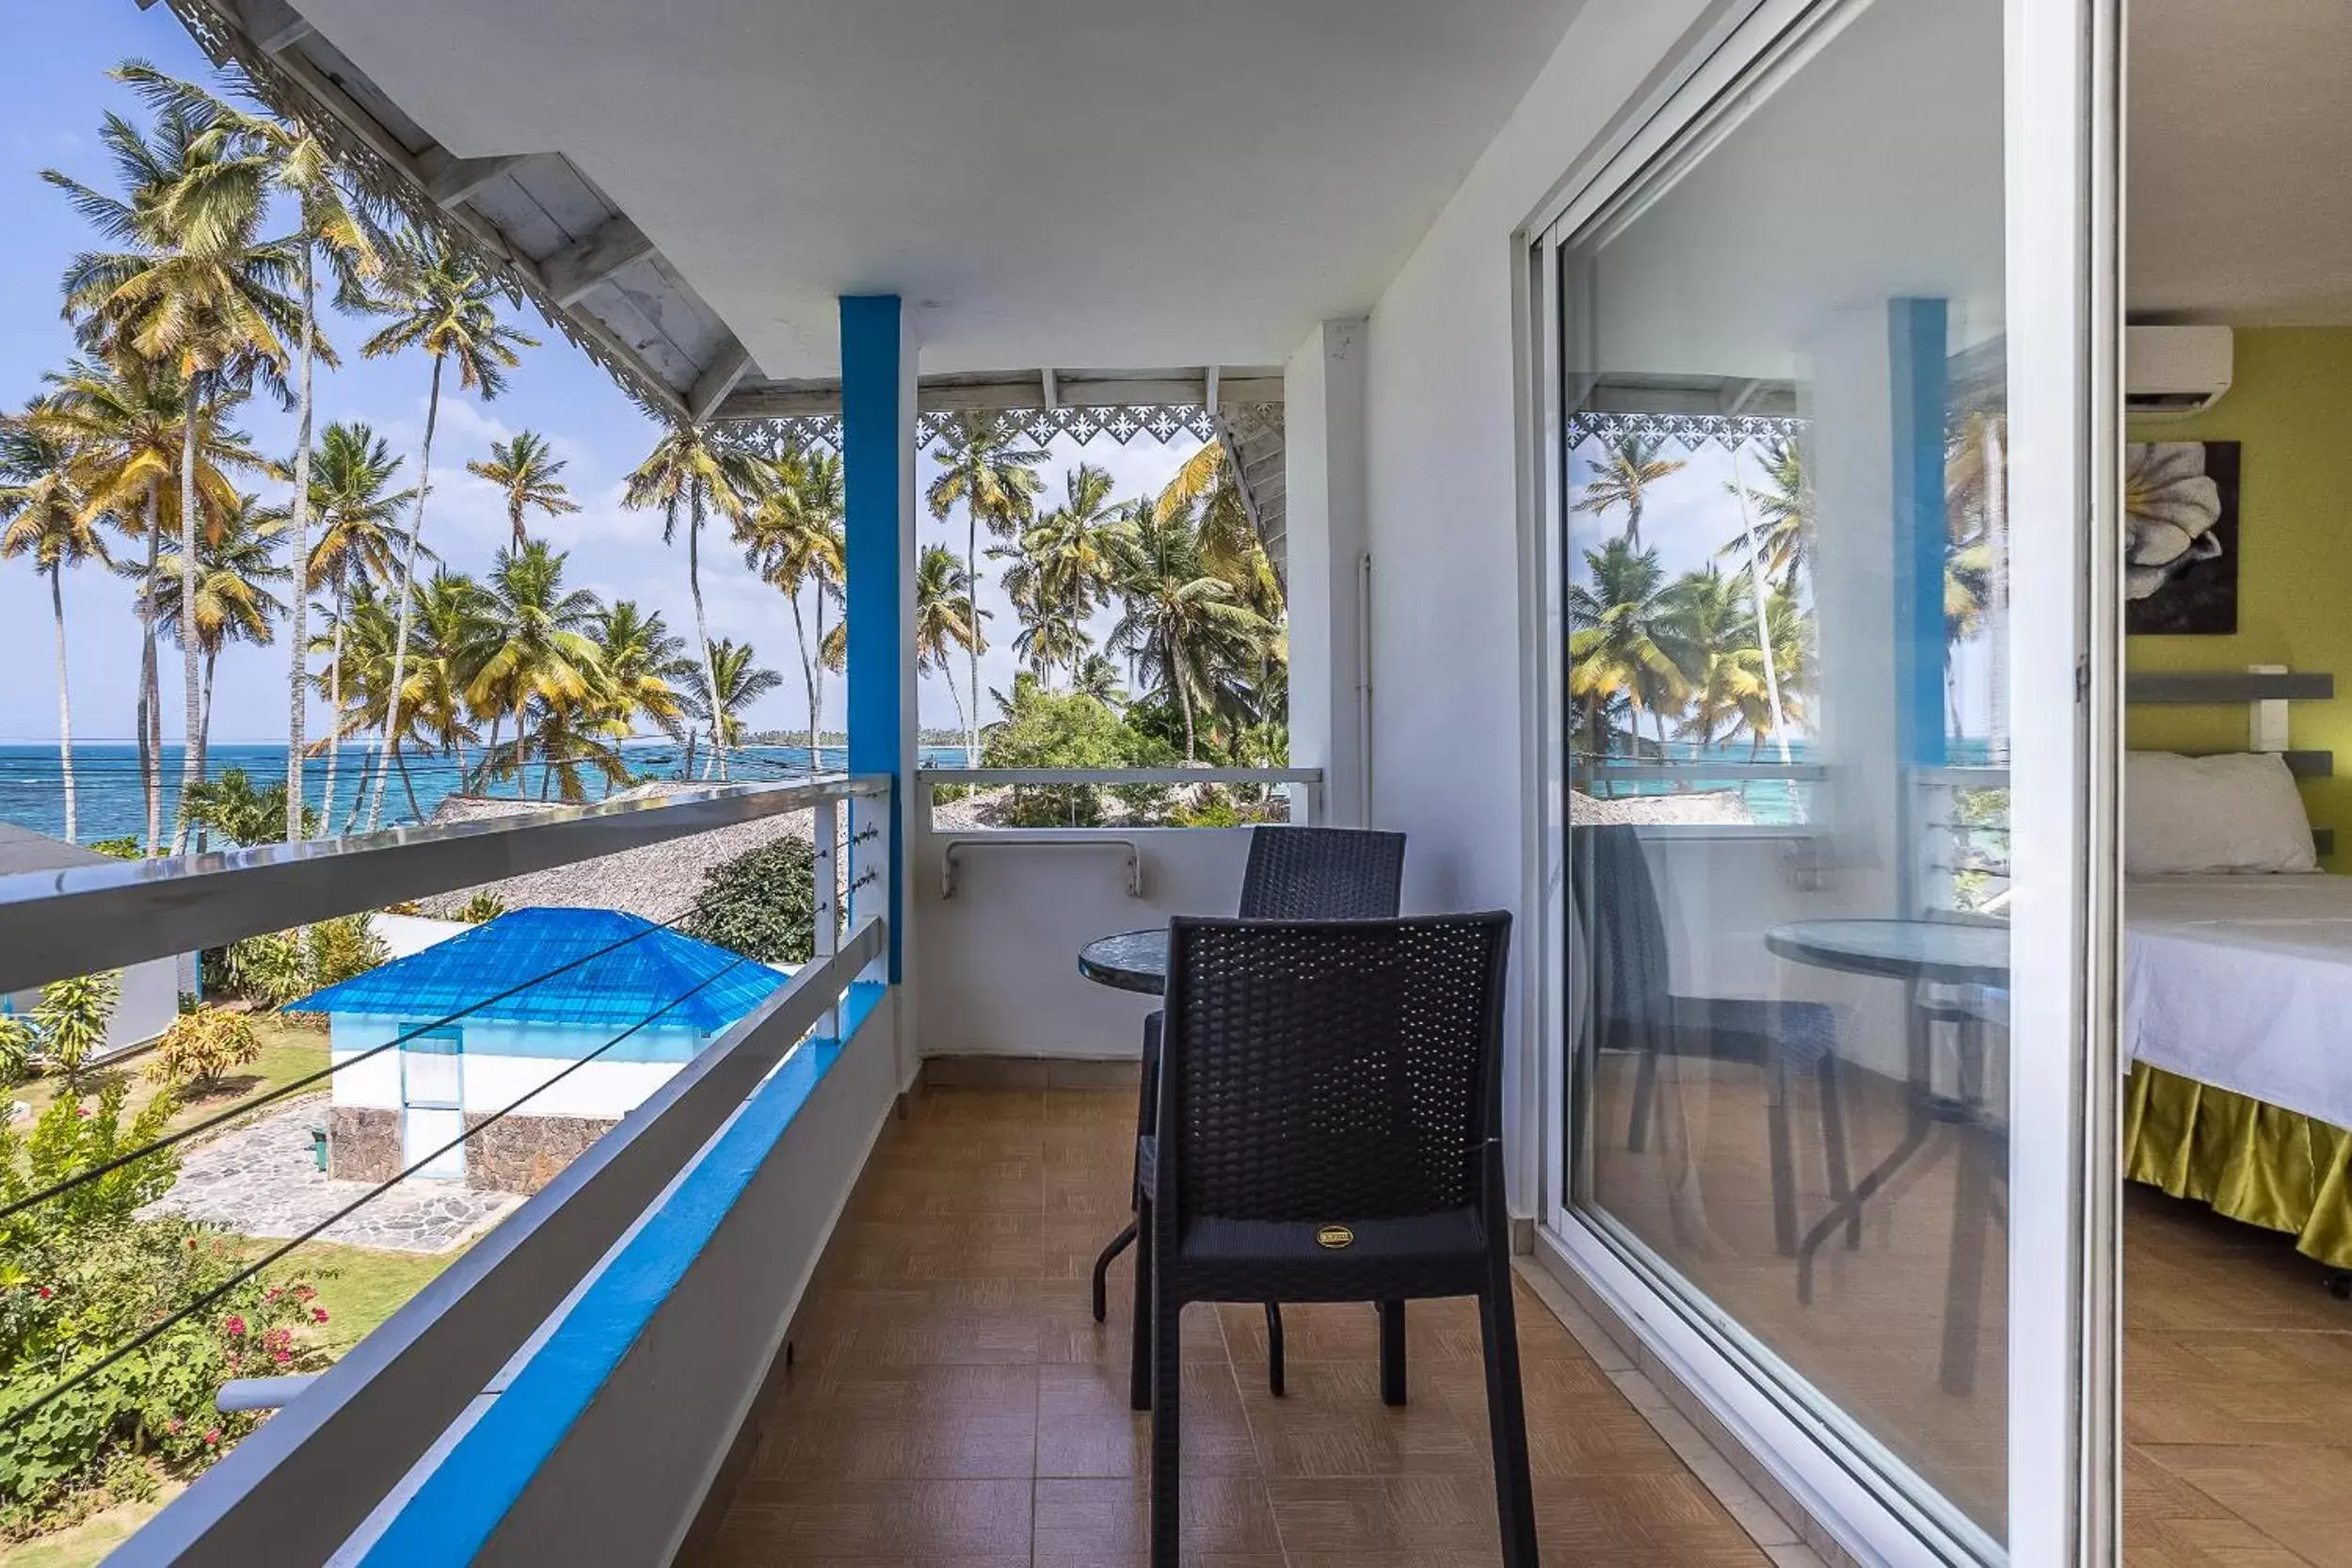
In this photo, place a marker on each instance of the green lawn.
(88, 1541)
(289, 1052)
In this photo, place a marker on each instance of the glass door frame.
(2063, 81)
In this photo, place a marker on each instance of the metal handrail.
(80, 920)
(949, 851)
(1120, 776)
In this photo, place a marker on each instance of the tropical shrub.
(233, 807)
(342, 949)
(1046, 729)
(272, 969)
(74, 1295)
(16, 1049)
(482, 908)
(199, 1046)
(762, 903)
(72, 1135)
(126, 848)
(72, 1017)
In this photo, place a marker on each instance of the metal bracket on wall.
(1127, 846)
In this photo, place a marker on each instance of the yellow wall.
(2291, 405)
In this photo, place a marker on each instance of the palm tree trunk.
(489, 757)
(1757, 586)
(191, 675)
(816, 701)
(359, 797)
(953, 695)
(1184, 701)
(400, 759)
(407, 574)
(334, 716)
(971, 650)
(65, 703)
(150, 692)
(702, 629)
(686, 775)
(297, 700)
(808, 668)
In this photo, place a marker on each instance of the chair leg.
(1644, 1102)
(1119, 1243)
(1506, 1420)
(1782, 1164)
(1166, 1449)
(1392, 1353)
(1140, 1351)
(1833, 1147)
(1274, 1348)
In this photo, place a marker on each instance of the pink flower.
(213, 1436)
(82, 1112)
(173, 1426)
(273, 1292)
(318, 1314)
(46, 1292)
(235, 1326)
(282, 1357)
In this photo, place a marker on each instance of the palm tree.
(1063, 572)
(305, 169)
(526, 469)
(457, 629)
(442, 303)
(46, 518)
(691, 470)
(1206, 479)
(236, 560)
(1718, 657)
(128, 423)
(196, 288)
(1782, 530)
(1097, 677)
(945, 617)
(357, 540)
(643, 665)
(791, 532)
(984, 470)
(740, 683)
(1181, 623)
(1630, 466)
(1624, 640)
(539, 646)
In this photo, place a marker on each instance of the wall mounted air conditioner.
(2174, 370)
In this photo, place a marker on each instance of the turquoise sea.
(109, 802)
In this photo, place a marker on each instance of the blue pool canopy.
(626, 971)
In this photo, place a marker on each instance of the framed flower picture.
(2181, 538)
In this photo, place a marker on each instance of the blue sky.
(60, 55)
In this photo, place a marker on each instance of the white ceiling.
(1069, 183)
(2239, 167)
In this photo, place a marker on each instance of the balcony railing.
(419, 1441)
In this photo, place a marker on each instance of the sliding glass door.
(1825, 697)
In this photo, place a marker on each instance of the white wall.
(1325, 537)
(148, 1002)
(998, 968)
(494, 1079)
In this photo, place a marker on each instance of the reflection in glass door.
(1791, 729)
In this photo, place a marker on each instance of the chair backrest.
(1326, 1069)
(1625, 961)
(1323, 874)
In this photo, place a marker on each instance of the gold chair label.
(1334, 1237)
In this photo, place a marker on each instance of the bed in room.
(2237, 999)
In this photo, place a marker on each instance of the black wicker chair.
(1294, 874)
(1329, 1129)
(1635, 1011)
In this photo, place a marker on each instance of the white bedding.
(2244, 983)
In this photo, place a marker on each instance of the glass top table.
(1130, 961)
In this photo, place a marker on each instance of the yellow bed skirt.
(2246, 1159)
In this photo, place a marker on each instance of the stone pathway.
(262, 1180)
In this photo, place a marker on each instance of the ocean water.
(109, 802)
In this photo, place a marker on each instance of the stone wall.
(522, 1154)
(362, 1143)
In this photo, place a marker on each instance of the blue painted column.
(1917, 334)
(1916, 352)
(878, 480)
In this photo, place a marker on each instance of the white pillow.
(2239, 812)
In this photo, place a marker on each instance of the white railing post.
(827, 828)
(869, 891)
